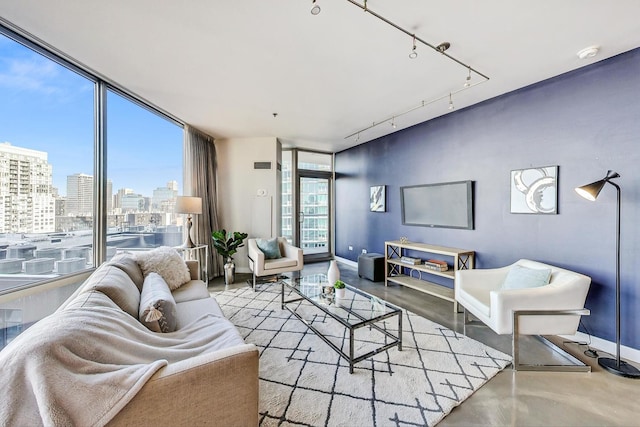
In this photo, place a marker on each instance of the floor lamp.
(188, 205)
(590, 192)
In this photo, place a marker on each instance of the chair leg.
(254, 281)
(576, 366)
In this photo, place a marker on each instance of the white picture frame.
(377, 198)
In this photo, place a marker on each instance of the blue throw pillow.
(270, 248)
(520, 277)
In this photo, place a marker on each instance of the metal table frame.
(396, 340)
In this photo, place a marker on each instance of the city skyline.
(47, 107)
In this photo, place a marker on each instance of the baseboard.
(627, 353)
(347, 262)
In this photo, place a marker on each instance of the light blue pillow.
(270, 248)
(520, 277)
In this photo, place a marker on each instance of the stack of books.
(436, 264)
(409, 260)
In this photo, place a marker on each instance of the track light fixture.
(467, 83)
(451, 107)
(413, 54)
(393, 122)
(315, 8)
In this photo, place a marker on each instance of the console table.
(416, 276)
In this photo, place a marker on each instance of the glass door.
(314, 214)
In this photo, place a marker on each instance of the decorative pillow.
(269, 247)
(168, 263)
(157, 306)
(520, 277)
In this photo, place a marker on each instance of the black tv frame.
(468, 202)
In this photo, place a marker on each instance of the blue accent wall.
(586, 122)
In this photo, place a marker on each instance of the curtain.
(200, 181)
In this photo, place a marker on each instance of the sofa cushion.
(117, 285)
(519, 277)
(157, 306)
(190, 311)
(193, 289)
(127, 263)
(91, 299)
(272, 264)
(167, 262)
(270, 248)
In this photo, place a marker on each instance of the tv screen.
(447, 204)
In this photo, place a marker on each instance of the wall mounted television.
(446, 205)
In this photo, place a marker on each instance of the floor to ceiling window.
(144, 176)
(46, 150)
(51, 164)
(306, 201)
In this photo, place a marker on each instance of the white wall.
(248, 198)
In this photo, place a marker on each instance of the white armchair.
(552, 309)
(290, 261)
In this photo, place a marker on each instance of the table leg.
(400, 331)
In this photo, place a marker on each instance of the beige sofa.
(217, 384)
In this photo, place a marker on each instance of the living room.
(577, 117)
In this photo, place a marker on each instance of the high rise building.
(80, 194)
(26, 201)
(164, 198)
(119, 195)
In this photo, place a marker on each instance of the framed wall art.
(534, 190)
(377, 198)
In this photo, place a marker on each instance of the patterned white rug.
(303, 382)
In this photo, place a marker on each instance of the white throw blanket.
(82, 366)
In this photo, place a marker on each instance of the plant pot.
(340, 293)
(229, 271)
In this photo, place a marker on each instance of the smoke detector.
(588, 52)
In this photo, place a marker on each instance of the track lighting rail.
(366, 9)
(422, 104)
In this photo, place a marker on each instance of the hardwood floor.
(513, 398)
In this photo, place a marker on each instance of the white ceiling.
(226, 66)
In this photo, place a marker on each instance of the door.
(314, 215)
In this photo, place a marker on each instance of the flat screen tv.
(446, 204)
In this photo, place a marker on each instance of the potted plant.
(340, 288)
(227, 245)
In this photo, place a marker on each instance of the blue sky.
(46, 107)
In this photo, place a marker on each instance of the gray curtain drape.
(200, 181)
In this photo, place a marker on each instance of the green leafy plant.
(339, 284)
(227, 244)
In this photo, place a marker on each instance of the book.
(436, 266)
(409, 260)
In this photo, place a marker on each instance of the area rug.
(303, 382)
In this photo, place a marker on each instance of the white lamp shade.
(188, 205)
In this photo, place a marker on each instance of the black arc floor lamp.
(590, 192)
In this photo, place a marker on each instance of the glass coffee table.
(356, 310)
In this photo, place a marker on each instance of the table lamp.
(188, 205)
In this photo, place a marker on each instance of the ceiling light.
(451, 107)
(442, 47)
(413, 54)
(467, 83)
(315, 9)
(588, 52)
